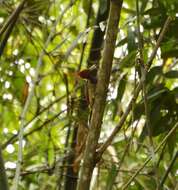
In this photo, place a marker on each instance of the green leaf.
(170, 47)
(131, 39)
(171, 74)
(155, 93)
(121, 88)
(128, 60)
(146, 182)
(85, 5)
(143, 6)
(171, 6)
(18, 84)
(162, 126)
(120, 93)
(152, 11)
(172, 144)
(122, 42)
(175, 93)
(51, 153)
(153, 73)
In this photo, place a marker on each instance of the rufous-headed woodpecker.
(90, 75)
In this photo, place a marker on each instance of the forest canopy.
(88, 94)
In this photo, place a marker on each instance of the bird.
(90, 75)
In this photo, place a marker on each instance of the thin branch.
(161, 36)
(120, 124)
(9, 25)
(71, 3)
(136, 92)
(161, 155)
(126, 150)
(27, 104)
(67, 138)
(127, 146)
(150, 157)
(48, 121)
(14, 137)
(14, 14)
(37, 170)
(140, 61)
(168, 170)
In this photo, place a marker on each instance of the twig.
(14, 137)
(43, 169)
(124, 154)
(162, 33)
(48, 121)
(60, 177)
(168, 170)
(9, 25)
(120, 124)
(14, 14)
(161, 155)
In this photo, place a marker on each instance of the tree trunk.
(71, 175)
(97, 40)
(94, 57)
(100, 96)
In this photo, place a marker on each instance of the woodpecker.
(90, 75)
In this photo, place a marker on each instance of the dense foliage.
(45, 100)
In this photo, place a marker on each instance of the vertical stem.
(143, 78)
(100, 96)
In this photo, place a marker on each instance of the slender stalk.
(67, 139)
(168, 170)
(143, 78)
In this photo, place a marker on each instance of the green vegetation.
(88, 94)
